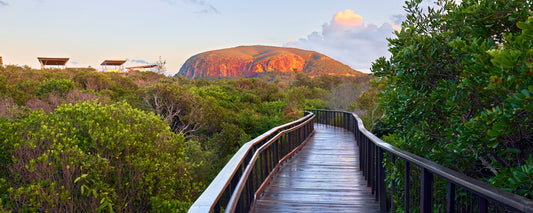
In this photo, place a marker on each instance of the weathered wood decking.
(322, 177)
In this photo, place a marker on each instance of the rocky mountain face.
(251, 61)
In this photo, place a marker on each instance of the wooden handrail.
(232, 205)
(372, 151)
(217, 195)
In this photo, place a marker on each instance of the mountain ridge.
(251, 61)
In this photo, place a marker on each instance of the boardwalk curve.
(322, 177)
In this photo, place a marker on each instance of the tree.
(458, 87)
(161, 65)
(175, 105)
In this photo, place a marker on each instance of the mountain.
(253, 61)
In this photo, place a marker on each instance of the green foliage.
(174, 104)
(17, 83)
(272, 108)
(517, 180)
(89, 157)
(93, 80)
(199, 159)
(459, 87)
(60, 86)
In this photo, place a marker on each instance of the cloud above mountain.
(348, 17)
(350, 40)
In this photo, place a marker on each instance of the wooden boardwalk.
(322, 177)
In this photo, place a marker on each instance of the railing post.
(249, 194)
(345, 121)
(252, 185)
(361, 153)
(289, 141)
(426, 191)
(407, 177)
(276, 150)
(450, 198)
(482, 204)
(340, 121)
(334, 117)
(375, 166)
(331, 121)
(382, 191)
(263, 168)
(270, 153)
(287, 144)
(326, 115)
(258, 174)
(393, 183)
(369, 164)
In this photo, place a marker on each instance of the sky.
(140, 31)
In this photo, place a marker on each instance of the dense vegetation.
(458, 89)
(78, 140)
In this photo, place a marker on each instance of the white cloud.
(348, 17)
(349, 40)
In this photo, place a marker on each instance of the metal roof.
(52, 61)
(143, 66)
(113, 62)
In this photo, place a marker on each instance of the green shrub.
(517, 180)
(59, 86)
(87, 157)
(92, 80)
(272, 108)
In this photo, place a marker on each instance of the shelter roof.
(53, 61)
(144, 66)
(113, 62)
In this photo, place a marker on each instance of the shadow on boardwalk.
(322, 177)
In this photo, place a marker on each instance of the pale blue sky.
(90, 31)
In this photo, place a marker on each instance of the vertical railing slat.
(482, 204)
(450, 198)
(407, 188)
(393, 187)
(381, 181)
(426, 191)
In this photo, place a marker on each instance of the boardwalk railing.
(245, 175)
(422, 178)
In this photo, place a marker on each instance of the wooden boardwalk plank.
(322, 177)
